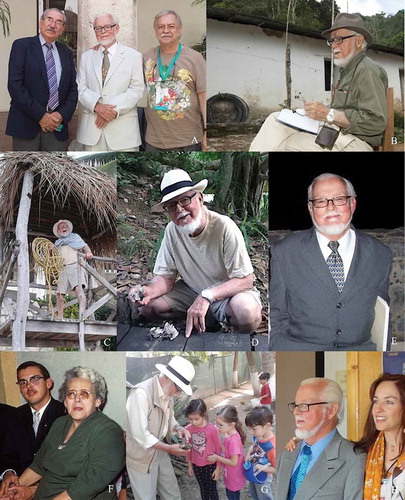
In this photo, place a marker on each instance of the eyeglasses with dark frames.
(83, 394)
(305, 406)
(107, 27)
(183, 202)
(338, 40)
(338, 201)
(32, 380)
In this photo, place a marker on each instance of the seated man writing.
(207, 252)
(358, 108)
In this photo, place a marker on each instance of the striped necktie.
(300, 471)
(335, 264)
(35, 422)
(53, 101)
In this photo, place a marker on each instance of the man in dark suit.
(323, 464)
(10, 449)
(43, 89)
(35, 418)
(324, 282)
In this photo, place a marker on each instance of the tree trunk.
(235, 381)
(23, 265)
(254, 375)
(267, 362)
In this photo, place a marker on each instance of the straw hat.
(351, 22)
(174, 183)
(55, 227)
(180, 371)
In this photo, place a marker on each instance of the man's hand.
(105, 111)
(48, 123)
(9, 479)
(88, 255)
(139, 295)
(196, 315)
(20, 493)
(183, 433)
(316, 110)
(176, 450)
(100, 122)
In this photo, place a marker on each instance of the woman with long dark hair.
(384, 439)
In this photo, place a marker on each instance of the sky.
(370, 7)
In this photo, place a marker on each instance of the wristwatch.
(330, 117)
(207, 294)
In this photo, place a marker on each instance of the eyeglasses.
(304, 406)
(107, 27)
(58, 22)
(32, 380)
(183, 202)
(83, 394)
(338, 40)
(338, 201)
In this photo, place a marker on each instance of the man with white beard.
(324, 281)
(324, 464)
(207, 251)
(358, 107)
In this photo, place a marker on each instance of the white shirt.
(346, 248)
(111, 51)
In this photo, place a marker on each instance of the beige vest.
(139, 458)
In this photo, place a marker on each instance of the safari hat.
(174, 183)
(351, 22)
(180, 371)
(55, 227)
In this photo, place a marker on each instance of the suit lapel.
(39, 56)
(313, 258)
(63, 62)
(97, 66)
(284, 472)
(359, 266)
(325, 467)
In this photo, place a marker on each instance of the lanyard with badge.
(162, 94)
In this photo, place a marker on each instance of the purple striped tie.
(53, 101)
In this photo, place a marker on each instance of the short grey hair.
(330, 391)
(102, 14)
(45, 13)
(97, 381)
(166, 12)
(349, 186)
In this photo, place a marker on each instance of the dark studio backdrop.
(378, 179)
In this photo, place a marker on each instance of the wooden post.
(23, 265)
(81, 298)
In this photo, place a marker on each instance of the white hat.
(55, 227)
(176, 182)
(180, 371)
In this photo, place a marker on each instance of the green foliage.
(130, 244)
(387, 29)
(5, 17)
(399, 127)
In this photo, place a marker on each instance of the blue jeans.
(232, 495)
(261, 491)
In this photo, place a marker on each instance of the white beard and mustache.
(332, 229)
(190, 228)
(306, 433)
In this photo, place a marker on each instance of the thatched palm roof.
(63, 189)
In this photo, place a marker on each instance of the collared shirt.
(361, 93)
(346, 248)
(316, 450)
(41, 411)
(138, 402)
(55, 53)
(111, 51)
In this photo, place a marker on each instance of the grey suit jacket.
(307, 312)
(338, 473)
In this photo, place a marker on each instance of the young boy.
(262, 454)
(265, 393)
